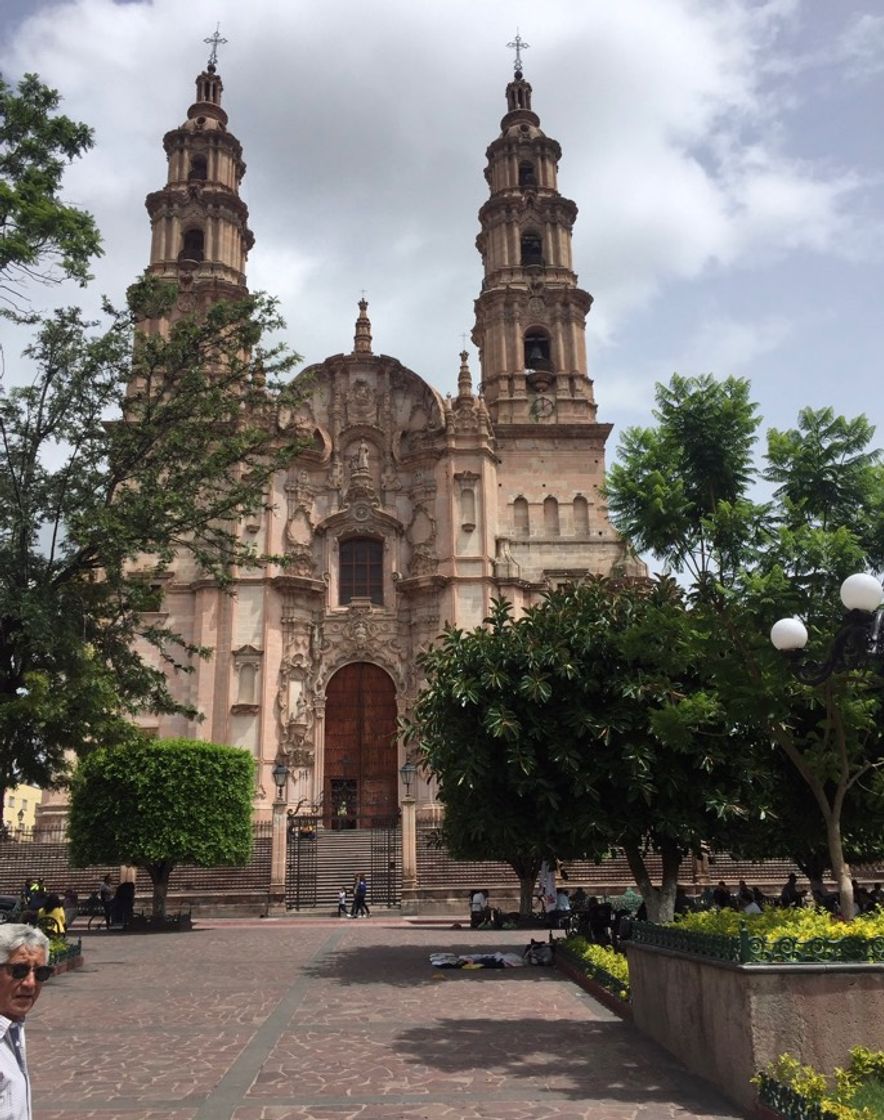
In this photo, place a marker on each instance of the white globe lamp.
(862, 592)
(788, 634)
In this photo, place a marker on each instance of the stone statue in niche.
(360, 460)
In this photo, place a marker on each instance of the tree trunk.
(159, 876)
(527, 868)
(840, 868)
(813, 865)
(659, 901)
(526, 895)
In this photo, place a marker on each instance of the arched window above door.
(361, 570)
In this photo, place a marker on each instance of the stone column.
(409, 856)
(276, 899)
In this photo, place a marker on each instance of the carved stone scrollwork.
(466, 417)
(361, 633)
(295, 716)
(299, 525)
(421, 535)
(362, 405)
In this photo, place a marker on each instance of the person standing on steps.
(360, 892)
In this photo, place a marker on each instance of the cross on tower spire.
(518, 45)
(216, 40)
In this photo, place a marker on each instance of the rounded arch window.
(521, 525)
(581, 516)
(551, 517)
(198, 168)
(361, 570)
(531, 248)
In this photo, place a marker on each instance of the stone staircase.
(340, 856)
(333, 859)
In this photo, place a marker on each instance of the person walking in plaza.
(342, 903)
(24, 968)
(360, 893)
(106, 896)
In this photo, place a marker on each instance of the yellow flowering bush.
(596, 957)
(774, 922)
(838, 1103)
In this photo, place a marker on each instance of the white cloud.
(364, 131)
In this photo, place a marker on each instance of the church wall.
(456, 491)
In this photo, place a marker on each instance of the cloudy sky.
(725, 156)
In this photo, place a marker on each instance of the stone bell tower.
(530, 315)
(199, 225)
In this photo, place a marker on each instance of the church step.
(336, 858)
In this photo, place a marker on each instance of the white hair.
(14, 936)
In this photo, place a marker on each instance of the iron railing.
(747, 948)
(784, 1100)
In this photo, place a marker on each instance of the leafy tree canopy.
(41, 236)
(581, 726)
(124, 451)
(752, 563)
(157, 803)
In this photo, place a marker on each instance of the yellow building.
(20, 807)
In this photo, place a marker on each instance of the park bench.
(91, 908)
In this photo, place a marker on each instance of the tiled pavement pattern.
(318, 1020)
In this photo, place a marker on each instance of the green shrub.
(601, 962)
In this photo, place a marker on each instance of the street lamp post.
(407, 773)
(858, 644)
(276, 902)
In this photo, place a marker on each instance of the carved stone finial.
(362, 338)
(464, 378)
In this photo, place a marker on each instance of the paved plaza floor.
(323, 1020)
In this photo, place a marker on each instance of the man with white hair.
(24, 968)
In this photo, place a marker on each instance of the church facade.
(407, 511)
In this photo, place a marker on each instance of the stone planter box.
(725, 1021)
(68, 964)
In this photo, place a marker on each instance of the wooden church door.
(361, 775)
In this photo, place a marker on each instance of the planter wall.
(726, 1021)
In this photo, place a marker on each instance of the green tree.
(41, 236)
(116, 458)
(482, 725)
(579, 727)
(751, 563)
(158, 803)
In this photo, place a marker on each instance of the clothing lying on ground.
(476, 960)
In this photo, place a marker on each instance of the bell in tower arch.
(537, 350)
